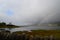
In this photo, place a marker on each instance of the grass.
(55, 33)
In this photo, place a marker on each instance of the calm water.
(32, 28)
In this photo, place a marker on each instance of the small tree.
(3, 23)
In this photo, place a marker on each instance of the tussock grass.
(55, 33)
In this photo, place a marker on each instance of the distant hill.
(4, 25)
(56, 22)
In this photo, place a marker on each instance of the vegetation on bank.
(24, 36)
(42, 33)
(10, 25)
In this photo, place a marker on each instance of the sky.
(26, 12)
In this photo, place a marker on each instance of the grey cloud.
(31, 11)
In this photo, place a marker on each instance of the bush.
(2, 24)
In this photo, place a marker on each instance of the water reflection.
(31, 28)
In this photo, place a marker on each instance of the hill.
(4, 25)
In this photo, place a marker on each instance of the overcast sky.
(22, 12)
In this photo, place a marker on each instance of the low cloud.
(25, 12)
